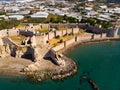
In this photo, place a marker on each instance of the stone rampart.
(9, 32)
(70, 41)
(59, 47)
(51, 35)
(58, 33)
(79, 39)
(75, 30)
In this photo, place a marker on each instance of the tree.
(7, 24)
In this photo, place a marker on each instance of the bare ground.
(13, 66)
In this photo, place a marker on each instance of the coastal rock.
(32, 67)
(56, 58)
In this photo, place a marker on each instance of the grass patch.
(62, 28)
(56, 41)
(21, 26)
(53, 18)
(43, 30)
(17, 39)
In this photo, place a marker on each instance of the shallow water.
(99, 62)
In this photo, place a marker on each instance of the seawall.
(82, 39)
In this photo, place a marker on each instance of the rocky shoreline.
(70, 69)
(54, 74)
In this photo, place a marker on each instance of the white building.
(91, 0)
(3, 16)
(104, 17)
(91, 14)
(117, 10)
(23, 1)
(103, 7)
(16, 17)
(88, 8)
(40, 15)
(23, 12)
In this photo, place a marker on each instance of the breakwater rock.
(91, 82)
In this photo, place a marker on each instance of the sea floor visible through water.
(98, 61)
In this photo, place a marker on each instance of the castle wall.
(70, 41)
(75, 30)
(79, 39)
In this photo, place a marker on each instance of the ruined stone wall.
(44, 26)
(58, 33)
(41, 40)
(83, 38)
(104, 35)
(70, 41)
(9, 32)
(59, 47)
(13, 32)
(75, 30)
(97, 36)
(3, 33)
(64, 32)
(69, 31)
(79, 39)
(4, 51)
(51, 35)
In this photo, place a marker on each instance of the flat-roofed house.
(40, 15)
(16, 17)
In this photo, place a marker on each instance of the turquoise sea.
(99, 61)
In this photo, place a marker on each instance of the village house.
(39, 15)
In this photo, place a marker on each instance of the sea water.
(99, 62)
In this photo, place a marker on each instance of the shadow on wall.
(51, 55)
(26, 33)
(111, 33)
(13, 51)
(29, 54)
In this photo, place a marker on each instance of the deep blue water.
(99, 62)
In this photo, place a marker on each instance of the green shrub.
(61, 41)
(58, 36)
